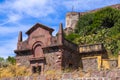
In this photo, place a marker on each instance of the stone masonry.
(42, 51)
(45, 51)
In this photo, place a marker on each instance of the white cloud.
(13, 17)
(6, 30)
(35, 8)
(18, 10)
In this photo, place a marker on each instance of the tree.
(11, 60)
(1, 59)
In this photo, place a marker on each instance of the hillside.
(101, 26)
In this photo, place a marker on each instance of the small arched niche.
(37, 50)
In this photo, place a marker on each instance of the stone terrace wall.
(90, 64)
(95, 75)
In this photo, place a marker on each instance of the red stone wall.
(70, 59)
(40, 35)
(23, 59)
(51, 59)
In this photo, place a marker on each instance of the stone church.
(41, 51)
(45, 51)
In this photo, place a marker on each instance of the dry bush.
(53, 74)
(14, 71)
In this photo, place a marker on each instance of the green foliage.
(11, 60)
(72, 36)
(102, 26)
(6, 62)
(83, 23)
(1, 59)
(9, 69)
(93, 22)
(3, 62)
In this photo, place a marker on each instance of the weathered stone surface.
(71, 19)
(41, 78)
(113, 63)
(118, 72)
(117, 78)
(97, 74)
(67, 76)
(23, 60)
(111, 74)
(90, 64)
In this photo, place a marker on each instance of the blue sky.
(20, 15)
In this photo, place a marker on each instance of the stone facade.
(45, 51)
(71, 19)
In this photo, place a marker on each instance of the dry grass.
(14, 71)
(53, 74)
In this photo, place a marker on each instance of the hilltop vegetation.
(6, 62)
(102, 26)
